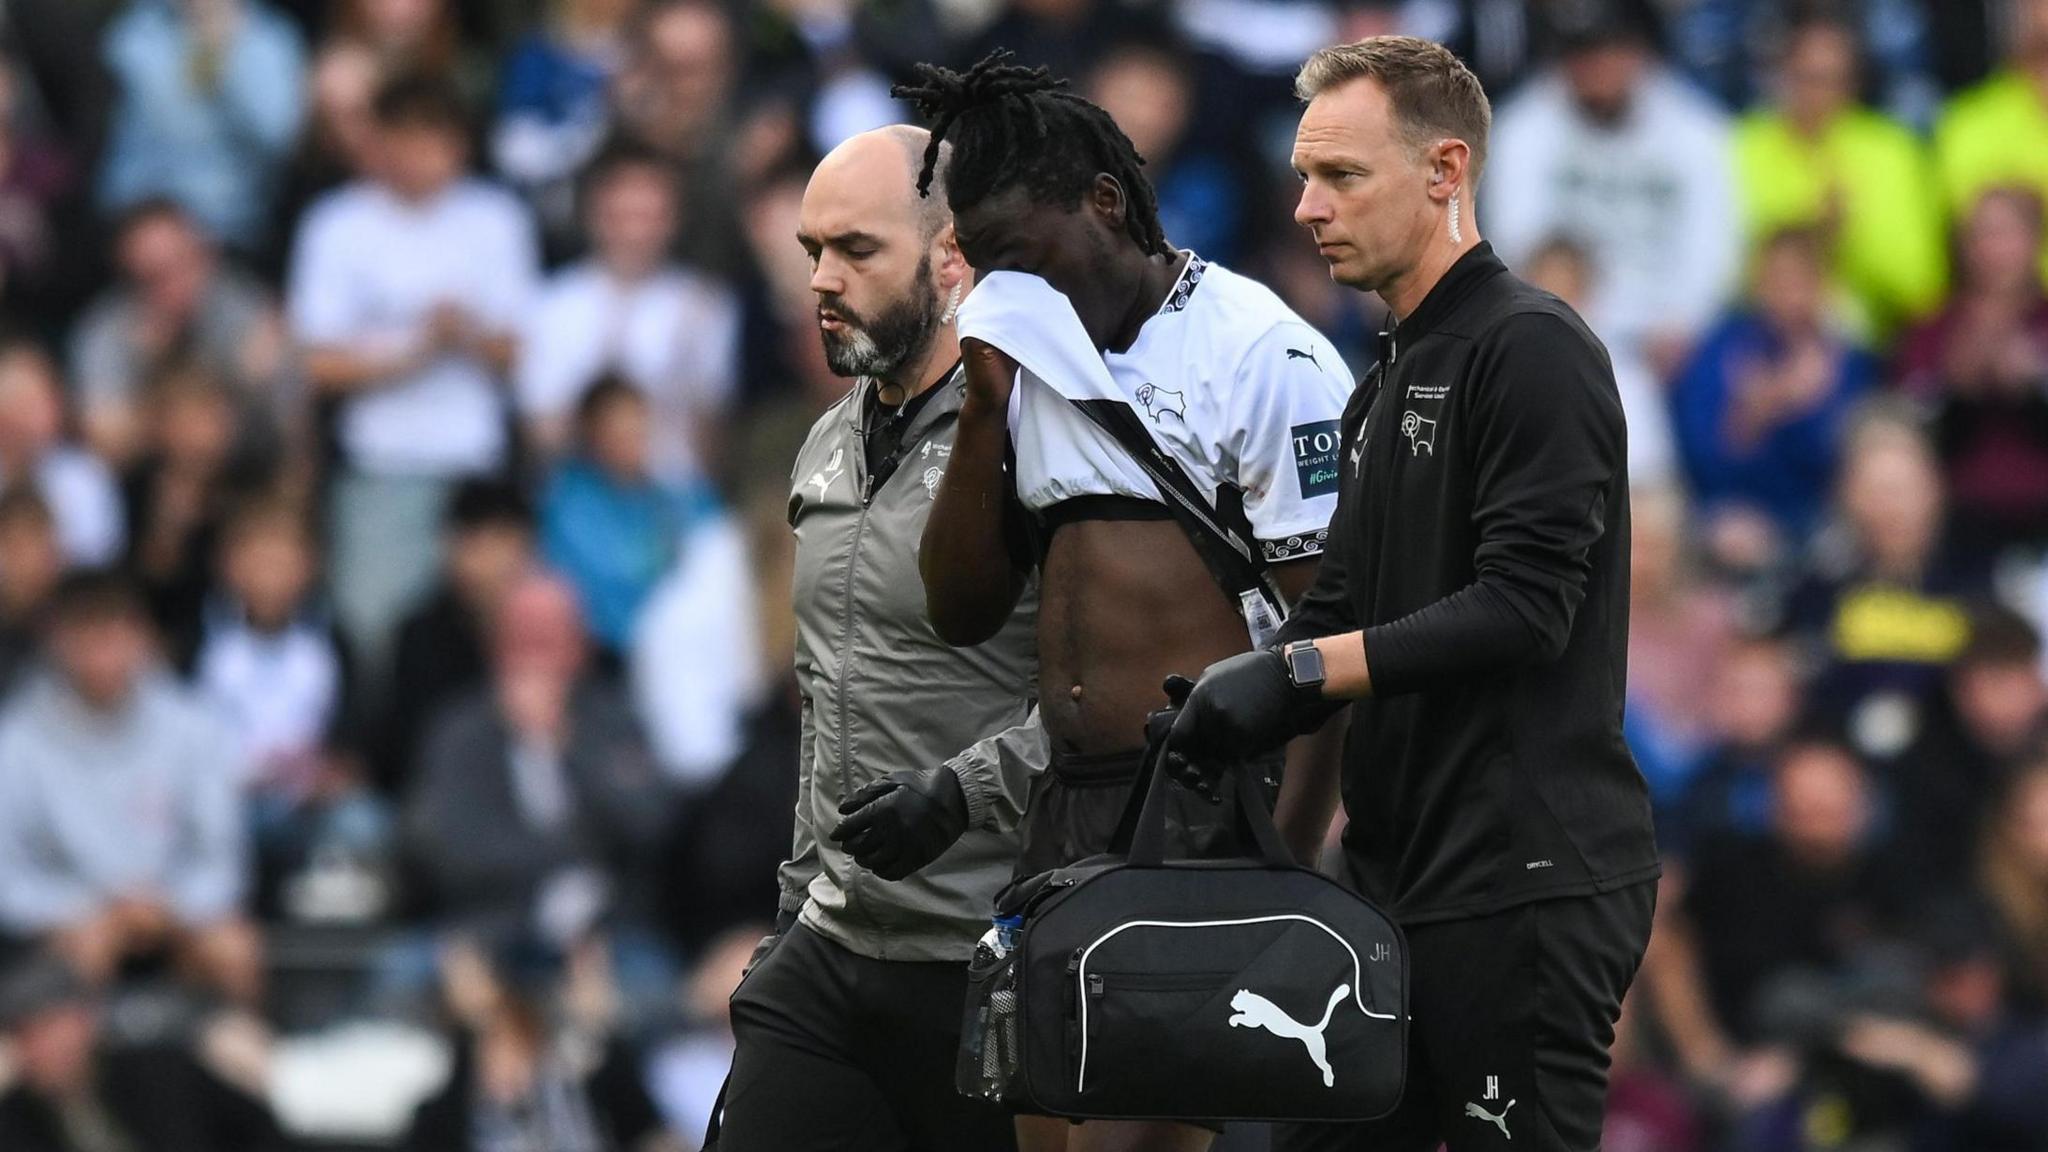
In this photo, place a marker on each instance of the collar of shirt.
(1468, 272)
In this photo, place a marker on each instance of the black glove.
(902, 822)
(1242, 707)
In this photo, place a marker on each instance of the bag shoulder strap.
(1227, 549)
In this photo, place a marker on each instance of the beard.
(880, 345)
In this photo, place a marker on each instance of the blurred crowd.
(396, 406)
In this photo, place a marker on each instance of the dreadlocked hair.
(1012, 125)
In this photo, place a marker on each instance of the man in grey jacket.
(916, 756)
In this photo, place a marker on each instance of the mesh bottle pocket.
(991, 1056)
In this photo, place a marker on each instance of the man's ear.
(948, 263)
(1107, 198)
(1450, 161)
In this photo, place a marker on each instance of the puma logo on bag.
(1255, 1011)
(1500, 1121)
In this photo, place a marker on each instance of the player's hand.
(991, 374)
(1241, 708)
(902, 822)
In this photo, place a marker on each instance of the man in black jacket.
(1473, 604)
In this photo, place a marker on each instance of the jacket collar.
(946, 400)
(1469, 271)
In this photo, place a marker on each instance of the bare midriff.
(1122, 605)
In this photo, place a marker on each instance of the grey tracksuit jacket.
(881, 692)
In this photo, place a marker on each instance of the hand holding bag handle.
(1141, 831)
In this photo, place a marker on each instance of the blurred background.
(396, 406)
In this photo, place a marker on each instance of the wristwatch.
(1304, 665)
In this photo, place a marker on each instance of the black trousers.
(1072, 811)
(1511, 1016)
(837, 1052)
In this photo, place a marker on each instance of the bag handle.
(1141, 831)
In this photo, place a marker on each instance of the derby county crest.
(1421, 433)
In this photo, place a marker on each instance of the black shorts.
(1074, 805)
(1511, 1016)
(837, 1052)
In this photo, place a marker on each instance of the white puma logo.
(1500, 1121)
(824, 477)
(1255, 1011)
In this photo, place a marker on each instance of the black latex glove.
(902, 822)
(1242, 707)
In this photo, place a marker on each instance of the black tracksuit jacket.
(1481, 543)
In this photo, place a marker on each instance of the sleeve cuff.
(1294, 547)
(974, 786)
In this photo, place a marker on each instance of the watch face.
(1304, 664)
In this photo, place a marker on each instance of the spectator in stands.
(1975, 1069)
(34, 451)
(176, 496)
(1562, 268)
(76, 1089)
(31, 563)
(212, 92)
(784, 360)
(1981, 366)
(273, 666)
(2013, 873)
(1987, 724)
(410, 37)
(674, 96)
(34, 175)
(406, 293)
(686, 1076)
(1754, 701)
(1808, 899)
(696, 707)
(1617, 154)
(1996, 134)
(487, 544)
(1883, 606)
(1149, 90)
(1817, 159)
(121, 827)
(1760, 411)
(538, 803)
(667, 330)
(340, 139)
(607, 522)
(1679, 626)
(1068, 36)
(553, 114)
(176, 304)
(538, 1060)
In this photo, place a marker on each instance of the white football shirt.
(1238, 389)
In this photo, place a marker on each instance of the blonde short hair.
(1434, 96)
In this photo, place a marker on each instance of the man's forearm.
(1346, 675)
(970, 584)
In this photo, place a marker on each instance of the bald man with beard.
(916, 756)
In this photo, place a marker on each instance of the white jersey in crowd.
(1651, 197)
(368, 272)
(1237, 388)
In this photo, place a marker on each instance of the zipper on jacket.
(846, 666)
